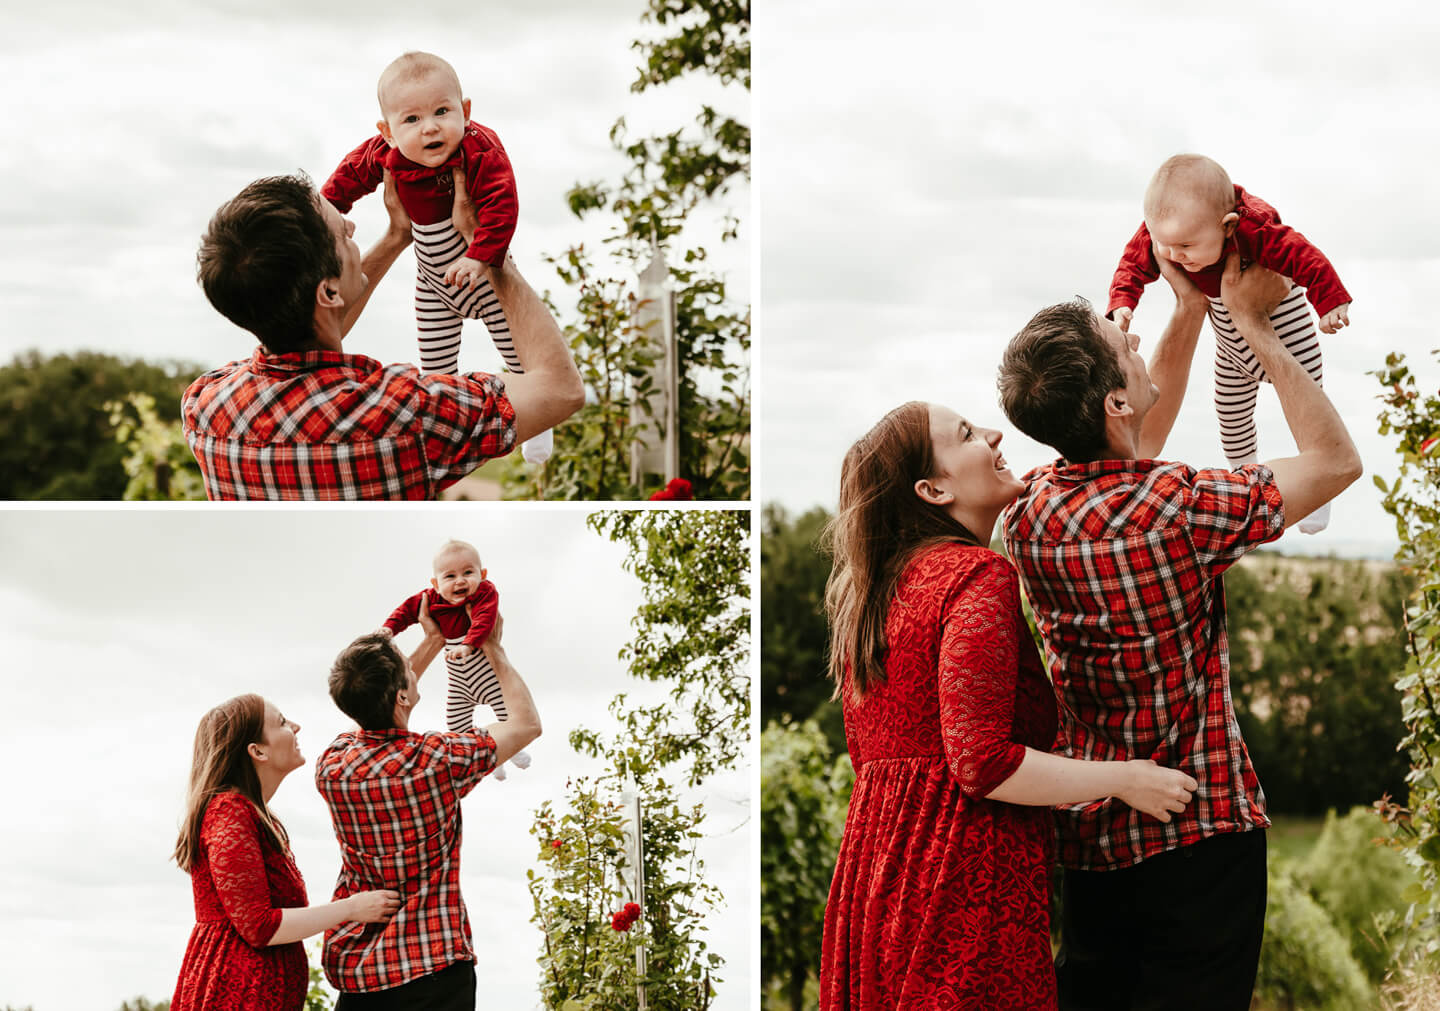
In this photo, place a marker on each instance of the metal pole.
(635, 879)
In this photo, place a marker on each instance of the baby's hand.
(382, 630)
(465, 273)
(459, 652)
(1122, 317)
(1335, 319)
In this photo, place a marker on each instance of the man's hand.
(465, 273)
(1186, 293)
(463, 215)
(459, 652)
(1122, 317)
(399, 219)
(1335, 319)
(1251, 294)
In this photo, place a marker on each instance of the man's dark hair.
(365, 679)
(1055, 376)
(262, 256)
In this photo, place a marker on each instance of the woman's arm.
(1044, 780)
(363, 907)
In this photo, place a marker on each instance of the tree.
(794, 654)
(803, 797)
(158, 460)
(692, 633)
(54, 411)
(651, 206)
(1413, 498)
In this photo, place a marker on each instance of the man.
(394, 798)
(300, 419)
(1121, 556)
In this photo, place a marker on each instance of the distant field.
(1291, 836)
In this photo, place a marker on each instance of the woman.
(250, 904)
(941, 889)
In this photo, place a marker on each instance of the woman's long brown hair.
(878, 527)
(222, 762)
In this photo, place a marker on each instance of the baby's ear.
(484, 572)
(465, 108)
(1228, 222)
(384, 127)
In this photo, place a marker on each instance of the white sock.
(538, 449)
(521, 759)
(498, 772)
(1316, 521)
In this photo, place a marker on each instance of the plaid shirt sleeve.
(467, 419)
(1233, 512)
(471, 757)
(978, 665)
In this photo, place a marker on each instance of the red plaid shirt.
(1121, 560)
(325, 425)
(394, 798)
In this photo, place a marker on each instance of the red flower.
(556, 844)
(625, 918)
(632, 910)
(678, 489)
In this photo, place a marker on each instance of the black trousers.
(1179, 930)
(450, 989)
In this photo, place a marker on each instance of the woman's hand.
(1155, 790)
(374, 907)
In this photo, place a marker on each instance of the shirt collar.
(294, 362)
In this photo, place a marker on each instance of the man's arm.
(1328, 462)
(1170, 363)
(523, 726)
(431, 645)
(382, 255)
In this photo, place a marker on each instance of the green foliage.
(667, 178)
(794, 654)
(587, 963)
(157, 460)
(320, 996)
(1314, 644)
(803, 797)
(1359, 880)
(1305, 961)
(142, 1004)
(692, 631)
(59, 440)
(1413, 498)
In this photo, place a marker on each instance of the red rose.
(663, 495)
(632, 910)
(678, 489)
(556, 844)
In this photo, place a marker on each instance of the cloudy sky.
(138, 121)
(930, 174)
(123, 627)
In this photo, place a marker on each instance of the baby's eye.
(410, 119)
(969, 432)
(442, 110)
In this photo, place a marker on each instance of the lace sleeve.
(231, 837)
(979, 662)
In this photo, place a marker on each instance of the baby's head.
(422, 110)
(457, 571)
(1190, 211)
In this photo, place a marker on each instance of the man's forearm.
(426, 653)
(1170, 372)
(554, 390)
(522, 724)
(375, 264)
(1313, 420)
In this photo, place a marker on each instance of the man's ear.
(1228, 222)
(327, 293)
(1117, 405)
(931, 494)
(384, 127)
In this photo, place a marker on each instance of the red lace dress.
(941, 898)
(241, 881)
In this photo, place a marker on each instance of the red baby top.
(1259, 237)
(428, 194)
(453, 619)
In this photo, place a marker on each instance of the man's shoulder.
(1062, 501)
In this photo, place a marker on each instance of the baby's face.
(457, 574)
(1193, 236)
(425, 118)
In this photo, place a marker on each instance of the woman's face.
(278, 743)
(968, 462)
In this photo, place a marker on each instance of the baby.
(464, 604)
(1194, 216)
(425, 132)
